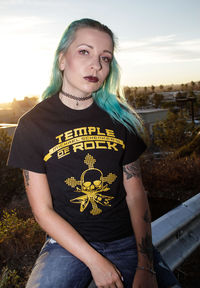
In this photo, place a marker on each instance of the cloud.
(160, 49)
(21, 24)
(25, 34)
(165, 38)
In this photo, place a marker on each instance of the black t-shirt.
(82, 153)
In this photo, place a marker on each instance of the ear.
(61, 60)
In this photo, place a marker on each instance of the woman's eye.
(83, 52)
(106, 59)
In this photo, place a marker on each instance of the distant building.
(168, 96)
(151, 116)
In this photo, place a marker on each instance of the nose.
(96, 63)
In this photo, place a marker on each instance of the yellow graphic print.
(92, 185)
(84, 138)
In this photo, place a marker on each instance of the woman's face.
(86, 64)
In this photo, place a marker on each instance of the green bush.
(9, 278)
(192, 148)
(172, 133)
(18, 235)
(20, 243)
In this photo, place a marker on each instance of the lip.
(92, 79)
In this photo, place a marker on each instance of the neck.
(74, 102)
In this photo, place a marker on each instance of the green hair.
(110, 96)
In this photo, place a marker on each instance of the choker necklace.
(75, 98)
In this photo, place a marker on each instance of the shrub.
(192, 148)
(18, 236)
(9, 278)
(172, 178)
(20, 242)
(172, 133)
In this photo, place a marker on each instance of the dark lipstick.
(91, 79)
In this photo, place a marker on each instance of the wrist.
(94, 259)
(144, 260)
(145, 263)
(147, 269)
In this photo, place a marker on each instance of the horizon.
(159, 43)
(138, 87)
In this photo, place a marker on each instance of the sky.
(158, 40)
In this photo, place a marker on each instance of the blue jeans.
(57, 268)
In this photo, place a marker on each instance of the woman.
(79, 151)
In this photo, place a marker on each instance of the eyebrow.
(93, 48)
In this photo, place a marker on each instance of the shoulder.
(134, 136)
(38, 112)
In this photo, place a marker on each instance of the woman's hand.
(105, 274)
(144, 279)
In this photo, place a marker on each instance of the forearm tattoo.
(26, 177)
(146, 248)
(147, 217)
(132, 169)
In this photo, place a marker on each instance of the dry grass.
(171, 178)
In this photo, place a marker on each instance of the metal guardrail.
(177, 233)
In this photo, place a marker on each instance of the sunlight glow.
(26, 58)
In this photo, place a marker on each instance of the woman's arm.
(141, 221)
(38, 192)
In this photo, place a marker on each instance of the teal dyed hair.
(110, 96)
